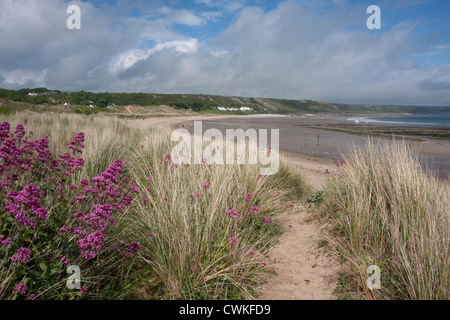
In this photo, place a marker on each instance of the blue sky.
(294, 49)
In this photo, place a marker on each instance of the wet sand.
(320, 138)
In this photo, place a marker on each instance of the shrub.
(47, 223)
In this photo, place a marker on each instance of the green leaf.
(43, 266)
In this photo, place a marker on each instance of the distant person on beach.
(318, 138)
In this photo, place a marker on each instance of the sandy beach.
(317, 142)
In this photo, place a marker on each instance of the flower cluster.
(33, 180)
(232, 213)
(132, 248)
(91, 244)
(5, 241)
(20, 289)
(25, 206)
(22, 255)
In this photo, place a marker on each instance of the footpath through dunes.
(301, 269)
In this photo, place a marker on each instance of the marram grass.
(389, 210)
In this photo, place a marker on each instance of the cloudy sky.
(317, 49)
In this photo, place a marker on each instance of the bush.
(48, 223)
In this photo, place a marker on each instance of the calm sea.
(416, 120)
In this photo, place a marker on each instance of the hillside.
(89, 102)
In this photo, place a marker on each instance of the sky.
(293, 49)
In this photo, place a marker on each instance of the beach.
(318, 142)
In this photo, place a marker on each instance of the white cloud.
(183, 16)
(293, 51)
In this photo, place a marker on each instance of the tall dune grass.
(390, 211)
(193, 245)
(189, 243)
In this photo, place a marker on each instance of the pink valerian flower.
(291, 204)
(198, 195)
(90, 245)
(22, 255)
(132, 249)
(255, 209)
(248, 197)
(112, 173)
(5, 241)
(19, 131)
(32, 296)
(233, 240)
(206, 186)
(77, 143)
(41, 213)
(99, 218)
(81, 198)
(83, 291)
(251, 253)
(266, 221)
(26, 200)
(232, 213)
(21, 288)
(135, 189)
(167, 158)
(65, 260)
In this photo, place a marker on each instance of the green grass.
(186, 252)
(385, 209)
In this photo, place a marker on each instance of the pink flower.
(23, 255)
(65, 260)
(232, 213)
(255, 209)
(248, 196)
(266, 221)
(5, 241)
(20, 289)
(233, 240)
(83, 291)
(206, 186)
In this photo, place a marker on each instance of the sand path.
(302, 270)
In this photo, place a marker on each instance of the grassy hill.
(89, 102)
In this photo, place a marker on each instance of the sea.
(435, 121)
